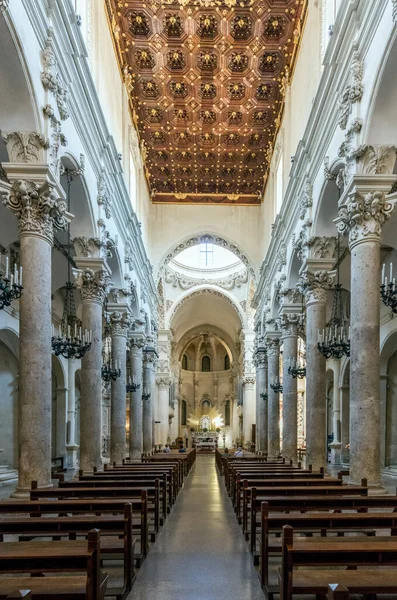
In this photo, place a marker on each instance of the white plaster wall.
(8, 407)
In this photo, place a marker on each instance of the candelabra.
(70, 341)
(110, 368)
(264, 395)
(276, 385)
(10, 286)
(334, 340)
(132, 385)
(388, 290)
(296, 369)
(146, 394)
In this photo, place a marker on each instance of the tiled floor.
(200, 553)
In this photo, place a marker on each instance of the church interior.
(198, 333)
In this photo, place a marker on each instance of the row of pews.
(55, 545)
(324, 537)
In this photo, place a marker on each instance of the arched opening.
(227, 413)
(183, 413)
(206, 364)
(184, 362)
(9, 368)
(227, 362)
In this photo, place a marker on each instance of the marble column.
(136, 439)
(71, 446)
(315, 287)
(345, 425)
(248, 407)
(163, 385)
(260, 361)
(289, 325)
(119, 326)
(273, 356)
(93, 287)
(362, 214)
(149, 364)
(336, 444)
(39, 210)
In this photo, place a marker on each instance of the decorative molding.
(315, 286)
(306, 199)
(353, 91)
(363, 215)
(185, 283)
(51, 79)
(94, 285)
(103, 197)
(87, 247)
(129, 258)
(272, 346)
(25, 147)
(3, 5)
(120, 323)
(163, 381)
(135, 148)
(394, 4)
(107, 244)
(39, 209)
(281, 257)
(136, 346)
(289, 323)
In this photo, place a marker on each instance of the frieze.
(185, 283)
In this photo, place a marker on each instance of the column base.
(336, 453)
(71, 456)
(373, 489)
(22, 493)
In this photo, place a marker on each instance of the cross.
(206, 254)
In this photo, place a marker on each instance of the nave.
(200, 553)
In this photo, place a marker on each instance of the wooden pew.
(98, 507)
(126, 483)
(127, 494)
(175, 467)
(26, 594)
(322, 523)
(55, 558)
(257, 495)
(28, 528)
(337, 592)
(344, 552)
(251, 472)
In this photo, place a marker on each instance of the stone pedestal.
(163, 385)
(136, 439)
(260, 361)
(248, 408)
(273, 355)
(119, 326)
(93, 286)
(315, 286)
(363, 211)
(38, 209)
(336, 453)
(149, 364)
(289, 324)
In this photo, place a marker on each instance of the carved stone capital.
(315, 285)
(120, 323)
(247, 381)
(38, 208)
(163, 382)
(289, 324)
(25, 146)
(137, 345)
(272, 346)
(260, 358)
(87, 247)
(94, 285)
(363, 215)
(150, 358)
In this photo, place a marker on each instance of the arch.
(206, 364)
(206, 237)
(222, 337)
(184, 362)
(81, 205)
(326, 207)
(227, 362)
(10, 338)
(198, 292)
(388, 348)
(183, 413)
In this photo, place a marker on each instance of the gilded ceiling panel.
(207, 80)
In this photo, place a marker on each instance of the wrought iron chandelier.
(264, 395)
(146, 394)
(334, 340)
(131, 385)
(276, 385)
(388, 290)
(10, 285)
(70, 341)
(110, 368)
(296, 367)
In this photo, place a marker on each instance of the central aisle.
(200, 553)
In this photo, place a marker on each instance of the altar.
(205, 440)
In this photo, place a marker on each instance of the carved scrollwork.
(103, 197)
(315, 285)
(25, 147)
(306, 200)
(353, 91)
(120, 323)
(93, 285)
(363, 216)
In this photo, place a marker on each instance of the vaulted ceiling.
(207, 80)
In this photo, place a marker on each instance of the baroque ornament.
(3, 5)
(119, 323)
(39, 209)
(306, 200)
(25, 147)
(94, 285)
(315, 285)
(353, 91)
(363, 216)
(103, 197)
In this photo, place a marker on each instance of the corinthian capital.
(289, 324)
(273, 346)
(38, 208)
(315, 285)
(363, 215)
(137, 344)
(93, 285)
(120, 323)
(163, 382)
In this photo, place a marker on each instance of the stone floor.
(200, 553)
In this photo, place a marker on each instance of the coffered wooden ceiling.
(207, 80)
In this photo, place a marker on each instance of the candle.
(391, 271)
(383, 273)
(12, 279)
(52, 330)
(6, 267)
(68, 331)
(20, 276)
(386, 281)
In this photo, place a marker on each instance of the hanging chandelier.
(70, 341)
(334, 340)
(388, 290)
(276, 385)
(110, 368)
(146, 394)
(10, 285)
(131, 385)
(296, 366)
(264, 395)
